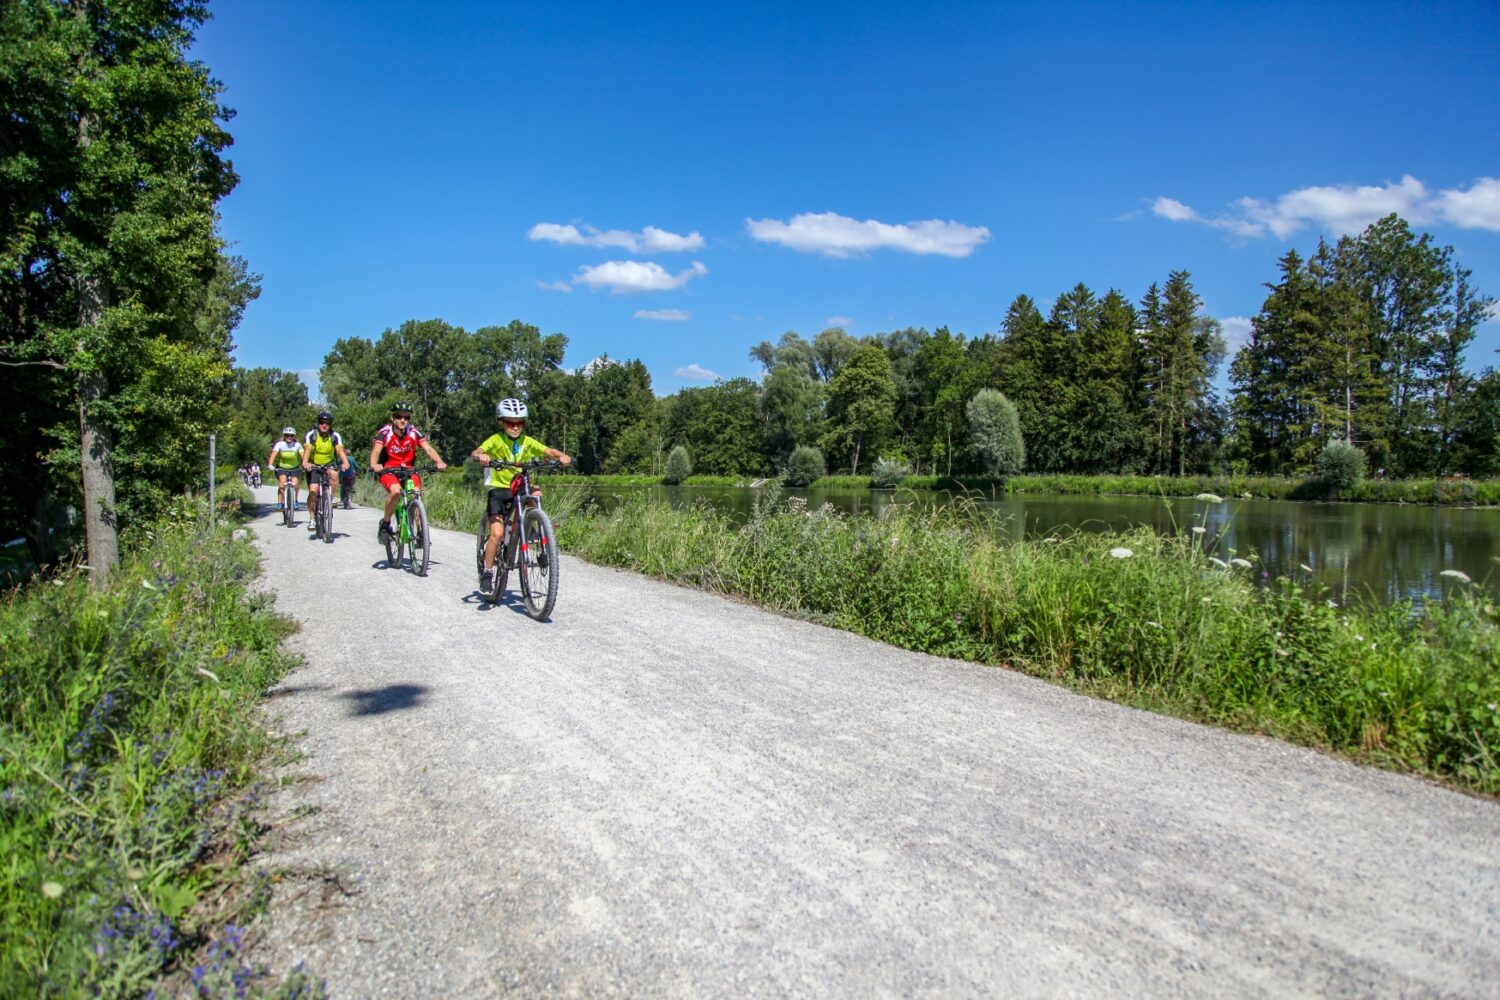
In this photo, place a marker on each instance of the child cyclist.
(512, 444)
(396, 447)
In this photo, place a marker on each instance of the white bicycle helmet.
(510, 409)
(289, 430)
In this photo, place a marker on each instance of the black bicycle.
(320, 476)
(288, 494)
(528, 546)
(411, 535)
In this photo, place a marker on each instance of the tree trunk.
(94, 450)
(854, 466)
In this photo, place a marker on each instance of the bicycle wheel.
(325, 515)
(288, 504)
(393, 544)
(421, 538)
(537, 567)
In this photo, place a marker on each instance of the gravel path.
(666, 793)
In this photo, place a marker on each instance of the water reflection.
(1360, 552)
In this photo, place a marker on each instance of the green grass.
(1165, 627)
(130, 743)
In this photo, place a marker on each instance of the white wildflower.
(1241, 563)
(1121, 553)
(51, 889)
(1283, 652)
(1305, 567)
(1206, 600)
(1456, 574)
(1218, 562)
(1359, 638)
(1199, 529)
(1332, 603)
(1210, 497)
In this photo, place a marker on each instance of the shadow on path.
(391, 698)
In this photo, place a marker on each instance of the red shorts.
(387, 480)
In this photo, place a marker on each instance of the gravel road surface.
(666, 793)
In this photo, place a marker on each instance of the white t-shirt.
(283, 464)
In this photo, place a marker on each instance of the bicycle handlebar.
(403, 471)
(536, 464)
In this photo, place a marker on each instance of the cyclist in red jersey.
(396, 446)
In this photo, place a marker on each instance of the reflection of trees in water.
(1384, 552)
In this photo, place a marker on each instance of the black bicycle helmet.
(325, 415)
(401, 406)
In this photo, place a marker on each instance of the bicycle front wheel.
(325, 516)
(538, 565)
(421, 539)
(288, 504)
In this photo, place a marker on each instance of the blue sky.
(677, 182)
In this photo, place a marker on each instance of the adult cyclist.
(396, 447)
(511, 444)
(319, 449)
(285, 459)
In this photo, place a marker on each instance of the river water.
(1379, 553)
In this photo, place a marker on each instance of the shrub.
(888, 472)
(995, 430)
(679, 466)
(1341, 466)
(805, 465)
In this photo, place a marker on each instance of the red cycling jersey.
(399, 450)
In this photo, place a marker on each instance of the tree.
(995, 430)
(939, 364)
(679, 466)
(860, 400)
(722, 427)
(112, 150)
(617, 396)
(805, 466)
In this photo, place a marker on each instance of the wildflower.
(1332, 603)
(1305, 567)
(1121, 553)
(1241, 563)
(1206, 600)
(52, 890)
(1283, 652)
(1456, 574)
(1198, 529)
(1210, 497)
(1218, 562)
(1359, 638)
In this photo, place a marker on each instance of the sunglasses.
(400, 416)
(513, 423)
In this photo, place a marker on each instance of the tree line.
(1363, 342)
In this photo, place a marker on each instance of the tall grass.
(129, 742)
(1139, 618)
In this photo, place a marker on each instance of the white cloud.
(1476, 208)
(1236, 331)
(663, 314)
(696, 373)
(623, 276)
(1348, 208)
(554, 286)
(843, 321)
(309, 377)
(648, 240)
(837, 236)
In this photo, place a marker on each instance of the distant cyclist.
(285, 459)
(396, 447)
(346, 483)
(319, 449)
(512, 444)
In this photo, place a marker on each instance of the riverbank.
(132, 744)
(1441, 492)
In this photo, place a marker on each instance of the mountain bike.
(411, 534)
(528, 546)
(319, 476)
(288, 496)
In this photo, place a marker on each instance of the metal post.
(212, 511)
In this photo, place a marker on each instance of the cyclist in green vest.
(285, 459)
(512, 444)
(321, 446)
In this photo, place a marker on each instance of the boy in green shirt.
(510, 445)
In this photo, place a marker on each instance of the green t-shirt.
(501, 448)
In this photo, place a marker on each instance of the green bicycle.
(412, 535)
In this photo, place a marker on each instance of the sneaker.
(384, 533)
(312, 526)
(489, 580)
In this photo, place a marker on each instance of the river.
(1380, 553)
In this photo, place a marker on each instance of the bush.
(888, 472)
(805, 465)
(995, 430)
(679, 466)
(1341, 466)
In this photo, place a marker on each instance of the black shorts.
(502, 502)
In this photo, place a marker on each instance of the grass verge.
(129, 744)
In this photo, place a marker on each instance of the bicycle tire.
(325, 516)
(393, 546)
(537, 567)
(420, 545)
(288, 504)
(493, 594)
